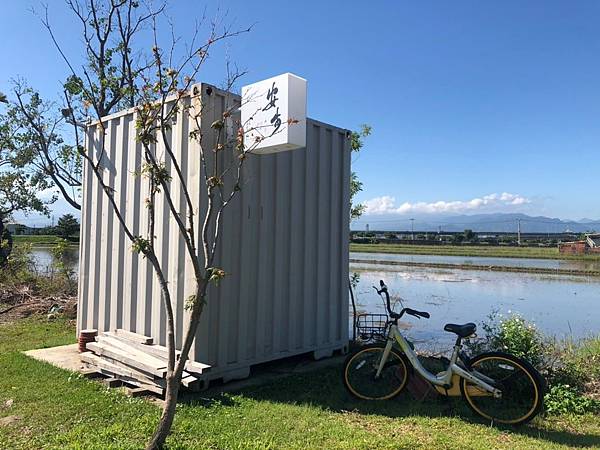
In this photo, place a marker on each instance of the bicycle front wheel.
(519, 382)
(360, 369)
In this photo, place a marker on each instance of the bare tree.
(111, 29)
(111, 70)
(159, 98)
(38, 144)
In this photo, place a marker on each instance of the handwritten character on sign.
(276, 121)
(272, 97)
(272, 100)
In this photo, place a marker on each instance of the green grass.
(61, 411)
(42, 240)
(587, 356)
(470, 250)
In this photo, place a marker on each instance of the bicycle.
(496, 385)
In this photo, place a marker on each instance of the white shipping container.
(284, 245)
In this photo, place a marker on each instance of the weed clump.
(571, 369)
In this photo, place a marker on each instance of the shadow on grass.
(324, 389)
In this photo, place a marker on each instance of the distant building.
(591, 244)
(593, 240)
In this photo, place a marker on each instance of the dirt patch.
(9, 420)
(19, 303)
(592, 389)
(7, 404)
(388, 425)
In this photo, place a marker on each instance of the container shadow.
(324, 389)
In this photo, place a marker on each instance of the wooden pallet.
(133, 360)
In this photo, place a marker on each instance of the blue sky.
(475, 106)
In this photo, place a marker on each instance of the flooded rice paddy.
(564, 306)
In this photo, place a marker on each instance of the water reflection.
(43, 259)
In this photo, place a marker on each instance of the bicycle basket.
(371, 326)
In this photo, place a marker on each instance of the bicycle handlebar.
(414, 312)
(394, 315)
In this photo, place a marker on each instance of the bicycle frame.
(445, 378)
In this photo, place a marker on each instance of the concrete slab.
(63, 356)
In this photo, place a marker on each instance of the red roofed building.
(591, 244)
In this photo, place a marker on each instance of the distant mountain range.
(495, 222)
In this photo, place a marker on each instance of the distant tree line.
(67, 227)
(466, 237)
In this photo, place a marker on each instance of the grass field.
(58, 410)
(41, 240)
(470, 250)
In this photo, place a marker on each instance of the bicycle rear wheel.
(520, 383)
(360, 369)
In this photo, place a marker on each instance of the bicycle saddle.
(462, 330)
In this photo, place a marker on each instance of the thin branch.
(43, 149)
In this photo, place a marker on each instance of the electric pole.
(519, 232)
(412, 229)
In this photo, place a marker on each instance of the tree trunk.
(163, 428)
(168, 414)
(6, 243)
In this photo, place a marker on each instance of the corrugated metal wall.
(284, 245)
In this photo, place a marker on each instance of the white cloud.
(387, 204)
(48, 194)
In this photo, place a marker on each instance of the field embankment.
(42, 240)
(493, 268)
(471, 250)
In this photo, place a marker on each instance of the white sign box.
(274, 114)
